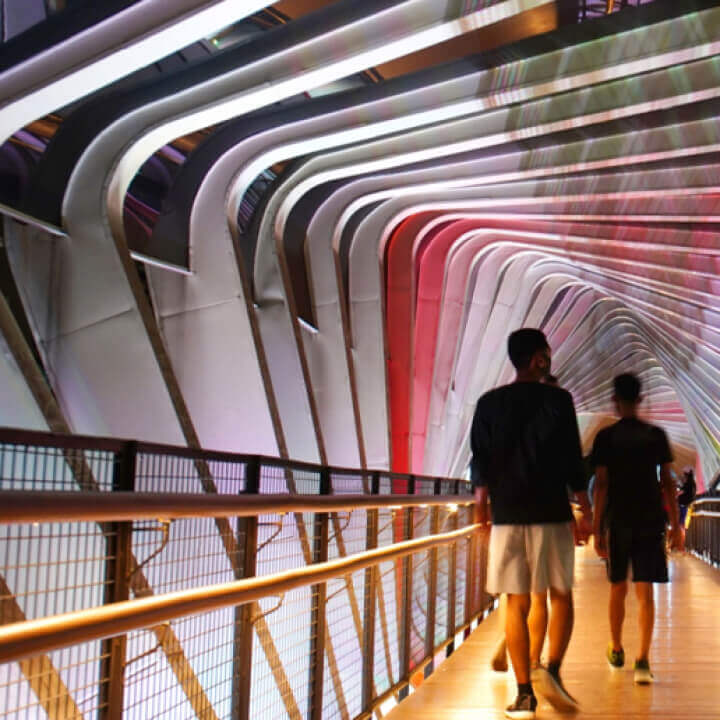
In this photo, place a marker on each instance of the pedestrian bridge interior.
(257, 264)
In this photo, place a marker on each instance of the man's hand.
(584, 528)
(584, 519)
(600, 544)
(677, 537)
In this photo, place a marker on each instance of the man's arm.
(677, 539)
(480, 446)
(599, 505)
(577, 480)
(482, 505)
(584, 527)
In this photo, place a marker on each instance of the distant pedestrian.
(526, 454)
(686, 496)
(629, 498)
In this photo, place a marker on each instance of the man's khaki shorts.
(530, 558)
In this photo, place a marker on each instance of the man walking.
(526, 454)
(537, 617)
(629, 501)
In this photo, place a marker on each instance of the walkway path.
(685, 657)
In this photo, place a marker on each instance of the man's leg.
(499, 662)
(618, 592)
(557, 562)
(537, 625)
(517, 635)
(562, 619)
(646, 601)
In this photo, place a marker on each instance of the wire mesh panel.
(342, 696)
(51, 568)
(388, 608)
(703, 534)
(422, 570)
(181, 669)
(158, 472)
(65, 683)
(183, 553)
(462, 571)
(442, 595)
(28, 467)
(321, 651)
(280, 687)
(346, 483)
(418, 608)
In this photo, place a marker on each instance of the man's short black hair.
(627, 388)
(523, 344)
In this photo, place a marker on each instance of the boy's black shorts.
(644, 548)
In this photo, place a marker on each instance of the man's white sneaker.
(551, 687)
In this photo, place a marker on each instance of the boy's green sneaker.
(616, 658)
(643, 676)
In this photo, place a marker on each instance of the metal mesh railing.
(334, 648)
(703, 532)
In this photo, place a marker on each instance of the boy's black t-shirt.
(526, 451)
(631, 450)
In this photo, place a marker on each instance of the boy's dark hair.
(523, 344)
(627, 388)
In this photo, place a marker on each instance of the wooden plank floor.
(685, 657)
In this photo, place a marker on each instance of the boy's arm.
(668, 487)
(599, 505)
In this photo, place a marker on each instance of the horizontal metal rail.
(33, 637)
(695, 512)
(28, 506)
(34, 438)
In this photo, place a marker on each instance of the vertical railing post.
(469, 578)
(407, 573)
(452, 581)
(247, 536)
(431, 603)
(319, 603)
(372, 575)
(118, 551)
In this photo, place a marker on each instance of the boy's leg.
(649, 566)
(517, 635)
(646, 616)
(537, 625)
(619, 544)
(618, 592)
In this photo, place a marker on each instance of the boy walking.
(629, 500)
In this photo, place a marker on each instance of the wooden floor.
(685, 657)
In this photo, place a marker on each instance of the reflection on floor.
(685, 657)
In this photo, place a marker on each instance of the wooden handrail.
(33, 637)
(27, 506)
